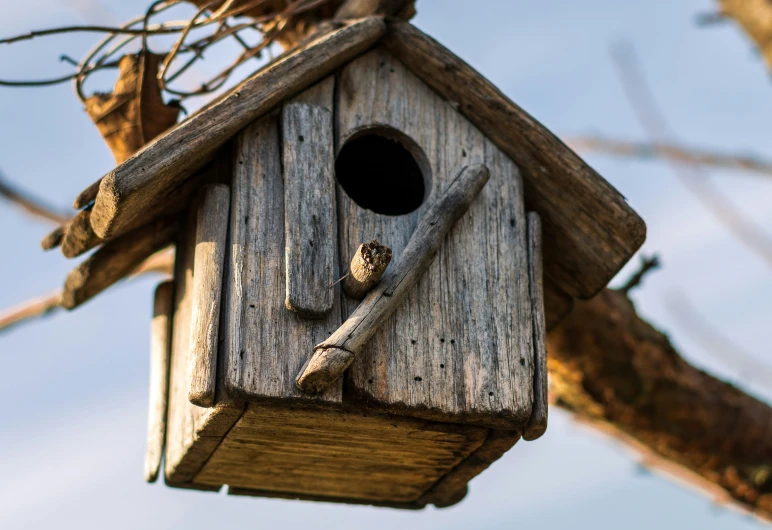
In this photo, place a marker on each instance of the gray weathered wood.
(116, 260)
(590, 230)
(537, 425)
(332, 357)
(87, 196)
(265, 345)
(193, 432)
(160, 360)
(54, 238)
(367, 268)
(459, 348)
(80, 237)
(211, 234)
(310, 226)
(131, 189)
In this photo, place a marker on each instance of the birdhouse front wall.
(460, 348)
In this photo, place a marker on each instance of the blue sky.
(75, 385)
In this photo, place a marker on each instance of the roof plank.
(134, 187)
(590, 231)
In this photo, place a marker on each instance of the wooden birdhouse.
(284, 365)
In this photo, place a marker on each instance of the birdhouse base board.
(347, 455)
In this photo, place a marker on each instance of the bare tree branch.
(647, 265)
(652, 119)
(716, 344)
(670, 152)
(610, 368)
(31, 204)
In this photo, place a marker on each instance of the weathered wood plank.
(537, 425)
(265, 345)
(333, 357)
(589, 229)
(459, 348)
(144, 180)
(310, 223)
(160, 360)
(79, 236)
(211, 233)
(335, 453)
(115, 261)
(193, 433)
(452, 488)
(367, 268)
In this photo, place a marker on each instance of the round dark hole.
(380, 174)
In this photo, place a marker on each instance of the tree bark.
(611, 368)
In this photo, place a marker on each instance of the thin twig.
(161, 262)
(714, 343)
(671, 152)
(648, 264)
(653, 121)
(31, 204)
(161, 30)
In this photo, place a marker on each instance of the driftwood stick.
(367, 268)
(87, 196)
(160, 358)
(54, 239)
(208, 265)
(537, 425)
(80, 237)
(332, 357)
(115, 260)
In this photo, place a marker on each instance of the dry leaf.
(134, 113)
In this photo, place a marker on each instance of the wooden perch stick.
(537, 424)
(208, 265)
(367, 268)
(332, 357)
(160, 359)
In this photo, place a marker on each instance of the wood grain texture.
(452, 487)
(459, 348)
(332, 357)
(310, 223)
(338, 453)
(537, 425)
(367, 267)
(160, 360)
(209, 262)
(144, 180)
(590, 230)
(115, 261)
(79, 237)
(265, 345)
(193, 433)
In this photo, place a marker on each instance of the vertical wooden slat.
(160, 359)
(309, 205)
(211, 234)
(265, 345)
(537, 425)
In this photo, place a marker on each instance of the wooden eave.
(590, 231)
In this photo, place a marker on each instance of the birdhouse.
(371, 243)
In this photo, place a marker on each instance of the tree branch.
(671, 153)
(31, 204)
(617, 372)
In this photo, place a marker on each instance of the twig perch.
(367, 268)
(332, 357)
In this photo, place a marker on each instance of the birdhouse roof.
(590, 231)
